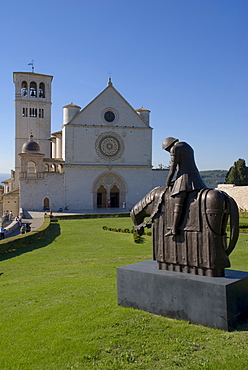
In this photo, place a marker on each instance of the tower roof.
(30, 146)
(31, 74)
(72, 106)
(142, 110)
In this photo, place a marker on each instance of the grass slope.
(59, 309)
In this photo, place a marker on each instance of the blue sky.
(185, 60)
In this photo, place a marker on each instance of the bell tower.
(32, 112)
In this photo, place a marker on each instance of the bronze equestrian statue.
(188, 220)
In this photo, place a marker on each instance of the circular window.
(109, 146)
(109, 116)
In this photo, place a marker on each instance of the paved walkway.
(36, 219)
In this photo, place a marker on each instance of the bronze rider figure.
(187, 177)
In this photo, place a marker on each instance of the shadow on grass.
(52, 233)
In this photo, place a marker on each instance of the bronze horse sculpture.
(189, 221)
(201, 246)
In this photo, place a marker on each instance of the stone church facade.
(101, 157)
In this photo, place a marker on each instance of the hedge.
(21, 240)
(243, 214)
(137, 238)
(89, 215)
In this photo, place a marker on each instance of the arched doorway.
(114, 197)
(46, 205)
(101, 197)
(109, 190)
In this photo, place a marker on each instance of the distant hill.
(213, 177)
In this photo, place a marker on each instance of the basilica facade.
(101, 157)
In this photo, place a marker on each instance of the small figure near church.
(10, 215)
(187, 178)
(2, 231)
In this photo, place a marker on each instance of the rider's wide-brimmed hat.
(168, 142)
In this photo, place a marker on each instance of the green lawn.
(59, 308)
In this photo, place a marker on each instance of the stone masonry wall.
(238, 193)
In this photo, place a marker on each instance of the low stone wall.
(21, 240)
(238, 193)
(11, 227)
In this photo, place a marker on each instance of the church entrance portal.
(101, 197)
(114, 197)
(109, 191)
(108, 202)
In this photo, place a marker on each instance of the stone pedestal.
(217, 302)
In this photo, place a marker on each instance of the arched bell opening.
(33, 90)
(24, 89)
(41, 90)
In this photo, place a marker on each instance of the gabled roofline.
(12, 192)
(6, 181)
(54, 133)
(117, 92)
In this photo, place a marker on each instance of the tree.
(238, 173)
(163, 167)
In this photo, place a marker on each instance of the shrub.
(137, 238)
(243, 214)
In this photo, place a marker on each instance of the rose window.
(109, 146)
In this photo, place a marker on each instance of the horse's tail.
(234, 224)
(218, 206)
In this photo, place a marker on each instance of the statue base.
(191, 269)
(216, 302)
